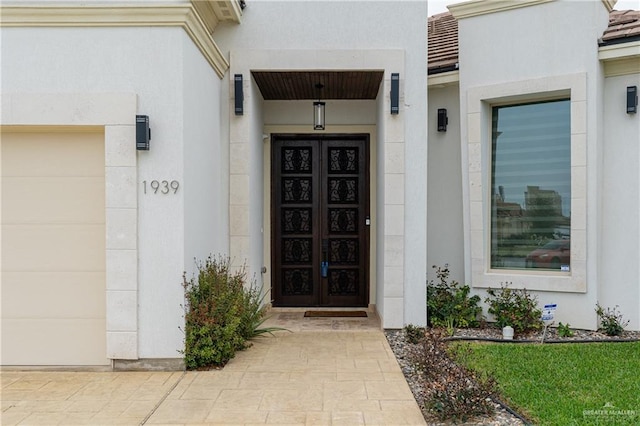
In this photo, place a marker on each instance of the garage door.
(53, 248)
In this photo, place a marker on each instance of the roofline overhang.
(444, 79)
(609, 4)
(212, 12)
(482, 7)
(620, 58)
(615, 41)
(619, 51)
(182, 14)
(443, 69)
(472, 8)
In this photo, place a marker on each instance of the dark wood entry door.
(320, 220)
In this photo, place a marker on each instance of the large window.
(531, 186)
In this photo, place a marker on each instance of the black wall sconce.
(143, 132)
(239, 96)
(395, 93)
(443, 120)
(632, 99)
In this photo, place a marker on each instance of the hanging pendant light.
(318, 110)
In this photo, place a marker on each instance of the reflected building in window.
(544, 211)
(511, 220)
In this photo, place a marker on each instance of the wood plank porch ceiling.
(300, 85)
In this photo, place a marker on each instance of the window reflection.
(531, 186)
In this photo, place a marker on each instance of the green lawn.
(565, 384)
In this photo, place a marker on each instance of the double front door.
(320, 220)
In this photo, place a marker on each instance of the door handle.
(324, 269)
(324, 264)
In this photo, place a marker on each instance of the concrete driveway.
(326, 371)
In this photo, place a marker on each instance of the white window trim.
(480, 101)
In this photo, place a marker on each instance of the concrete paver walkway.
(324, 372)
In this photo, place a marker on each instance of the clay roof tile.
(442, 36)
(624, 25)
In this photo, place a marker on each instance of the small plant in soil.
(564, 330)
(413, 334)
(611, 321)
(450, 325)
(514, 307)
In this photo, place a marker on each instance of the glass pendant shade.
(318, 115)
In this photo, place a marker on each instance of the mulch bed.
(491, 332)
(405, 352)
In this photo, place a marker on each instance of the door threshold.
(335, 313)
(293, 319)
(371, 308)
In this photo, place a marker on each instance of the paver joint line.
(153, 410)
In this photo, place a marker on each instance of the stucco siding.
(530, 42)
(206, 231)
(541, 59)
(338, 112)
(347, 36)
(151, 63)
(444, 202)
(256, 201)
(620, 230)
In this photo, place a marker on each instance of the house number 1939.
(160, 186)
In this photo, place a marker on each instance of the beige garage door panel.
(45, 247)
(53, 342)
(53, 154)
(63, 295)
(53, 200)
(53, 249)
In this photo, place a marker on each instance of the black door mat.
(335, 314)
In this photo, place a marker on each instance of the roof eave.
(443, 79)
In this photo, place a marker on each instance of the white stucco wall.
(542, 47)
(256, 199)
(150, 63)
(538, 59)
(205, 230)
(620, 229)
(444, 202)
(350, 35)
(382, 164)
(337, 112)
(101, 1)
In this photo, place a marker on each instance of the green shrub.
(221, 314)
(611, 321)
(449, 304)
(514, 307)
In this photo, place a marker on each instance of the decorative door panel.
(320, 208)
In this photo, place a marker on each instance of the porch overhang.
(301, 85)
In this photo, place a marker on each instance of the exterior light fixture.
(395, 93)
(239, 96)
(632, 99)
(143, 133)
(443, 120)
(318, 110)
